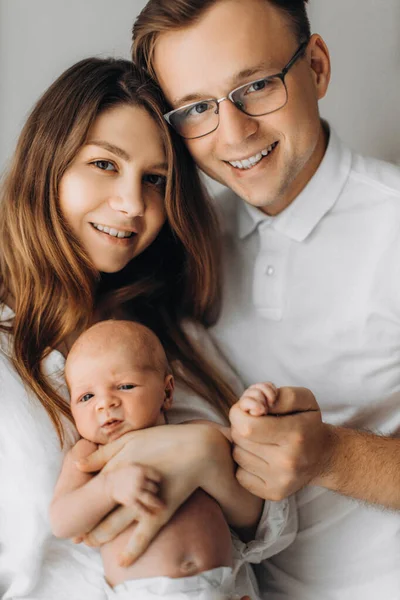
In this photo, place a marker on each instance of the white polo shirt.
(312, 298)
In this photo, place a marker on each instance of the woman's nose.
(129, 199)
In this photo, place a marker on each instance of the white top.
(33, 564)
(312, 298)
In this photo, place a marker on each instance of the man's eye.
(86, 397)
(154, 179)
(199, 109)
(257, 86)
(104, 165)
(126, 386)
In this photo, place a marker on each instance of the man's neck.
(304, 177)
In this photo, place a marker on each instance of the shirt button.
(270, 270)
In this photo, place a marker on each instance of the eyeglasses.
(256, 98)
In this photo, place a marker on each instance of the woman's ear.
(168, 392)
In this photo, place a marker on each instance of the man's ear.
(318, 56)
(168, 392)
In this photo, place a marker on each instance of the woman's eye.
(157, 180)
(104, 165)
(86, 397)
(126, 386)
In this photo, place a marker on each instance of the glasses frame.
(281, 75)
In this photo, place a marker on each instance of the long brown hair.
(47, 272)
(160, 16)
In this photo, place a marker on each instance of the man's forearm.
(79, 511)
(363, 466)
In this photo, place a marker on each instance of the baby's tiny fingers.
(252, 406)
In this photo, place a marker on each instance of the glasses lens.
(196, 120)
(261, 97)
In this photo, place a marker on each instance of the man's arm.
(363, 466)
(280, 453)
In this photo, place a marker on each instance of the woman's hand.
(135, 485)
(181, 454)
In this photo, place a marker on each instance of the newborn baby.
(120, 381)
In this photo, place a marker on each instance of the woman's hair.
(160, 16)
(46, 271)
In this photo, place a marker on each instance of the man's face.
(234, 43)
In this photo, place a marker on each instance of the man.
(311, 283)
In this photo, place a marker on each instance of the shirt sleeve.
(276, 531)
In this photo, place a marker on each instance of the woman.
(101, 215)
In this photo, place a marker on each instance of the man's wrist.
(327, 475)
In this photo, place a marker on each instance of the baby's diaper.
(216, 584)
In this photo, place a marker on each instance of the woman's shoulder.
(201, 338)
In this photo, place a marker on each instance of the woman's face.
(112, 195)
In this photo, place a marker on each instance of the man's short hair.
(159, 16)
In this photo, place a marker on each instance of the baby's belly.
(196, 539)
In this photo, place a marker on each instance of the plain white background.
(40, 38)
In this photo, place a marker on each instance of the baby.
(120, 381)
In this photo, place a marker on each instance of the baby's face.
(112, 394)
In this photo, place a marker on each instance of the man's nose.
(235, 127)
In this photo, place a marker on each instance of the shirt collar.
(301, 217)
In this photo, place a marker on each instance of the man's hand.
(281, 452)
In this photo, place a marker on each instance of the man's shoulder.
(382, 178)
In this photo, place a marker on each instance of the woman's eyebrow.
(111, 148)
(162, 166)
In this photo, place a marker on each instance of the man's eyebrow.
(110, 148)
(236, 80)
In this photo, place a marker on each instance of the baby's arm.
(81, 500)
(241, 508)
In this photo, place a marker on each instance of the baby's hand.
(135, 485)
(258, 398)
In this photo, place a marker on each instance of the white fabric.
(216, 584)
(33, 564)
(312, 298)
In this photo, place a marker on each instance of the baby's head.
(119, 380)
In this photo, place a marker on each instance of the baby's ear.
(168, 392)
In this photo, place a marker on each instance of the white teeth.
(248, 163)
(113, 232)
